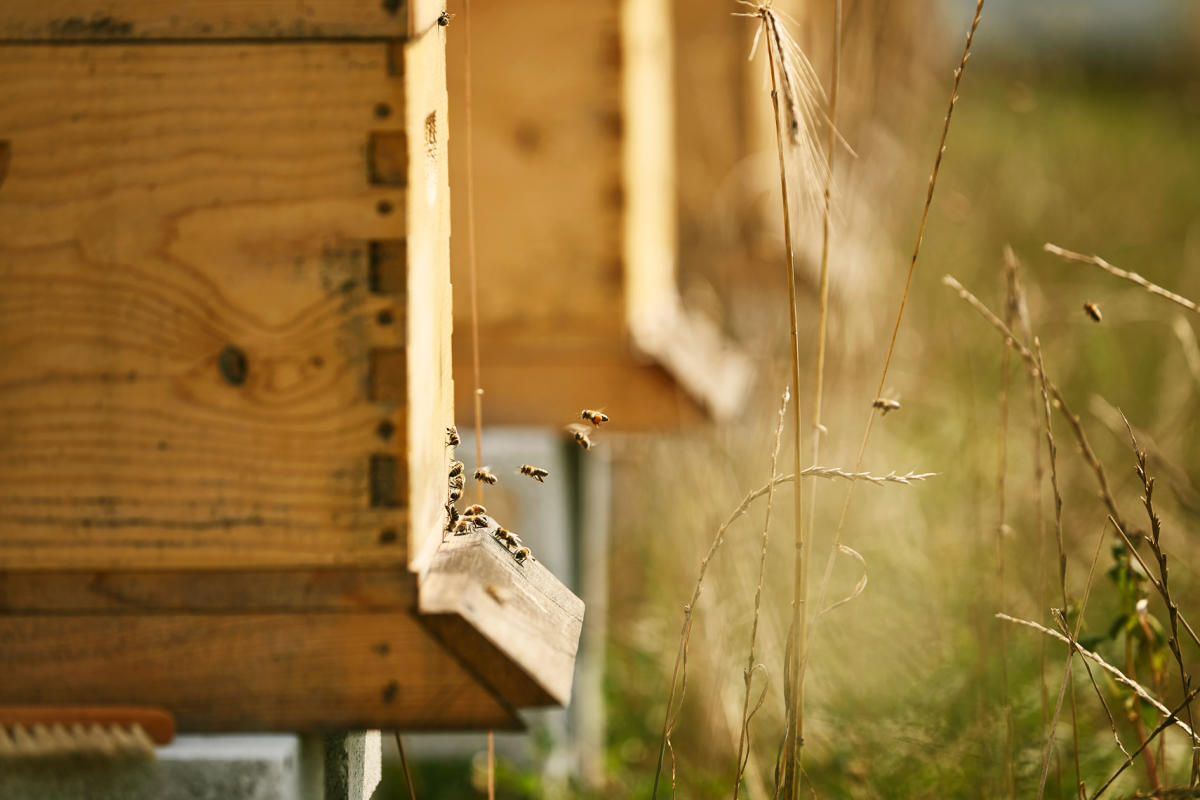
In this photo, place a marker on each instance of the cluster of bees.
(475, 516)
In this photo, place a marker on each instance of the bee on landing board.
(537, 473)
(521, 554)
(484, 474)
(594, 417)
(1093, 311)
(474, 511)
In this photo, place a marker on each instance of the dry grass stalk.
(1073, 420)
(1163, 585)
(1018, 312)
(1052, 449)
(1132, 277)
(823, 315)
(1010, 314)
(1162, 726)
(836, 546)
(474, 291)
(1119, 676)
(1072, 649)
(679, 672)
(404, 767)
(787, 61)
(751, 665)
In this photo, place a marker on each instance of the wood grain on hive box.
(225, 323)
(188, 319)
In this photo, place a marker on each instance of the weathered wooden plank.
(223, 672)
(124, 20)
(515, 624)
(227, 591)
(185, 237)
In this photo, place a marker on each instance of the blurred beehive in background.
(225, 316)
(575, 197)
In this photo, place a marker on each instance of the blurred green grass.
(905, 686)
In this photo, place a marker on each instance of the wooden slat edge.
(147, 20)
(429, 318)
(207, 591)
(514, 624)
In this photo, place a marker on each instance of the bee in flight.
(452, 439)
(581, 435)
(537, 473)
(886, 405)
(485, 475)
(1093, 311)
(594, 417)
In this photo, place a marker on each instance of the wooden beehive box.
(576, 221)
(225, 321)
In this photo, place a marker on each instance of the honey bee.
(581, 435)
(485, 475)
(456, 468)
(444, 18)
(474, 511)
(521, 554)
(886, 405)
(452, 439)
(458, 481)
(537, 473)
(504, 536)
(463, 526)
(479, 522)
(455, 494)
(1093, 311)
(452, 514)
(594, 417)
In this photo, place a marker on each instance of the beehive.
(225, 320)
(574, 170)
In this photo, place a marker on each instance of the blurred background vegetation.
(1080, 128)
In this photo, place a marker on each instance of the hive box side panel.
(197, 370)
(74, 20)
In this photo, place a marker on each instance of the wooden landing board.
(201, 367)
(250, 671)
(514, 624)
